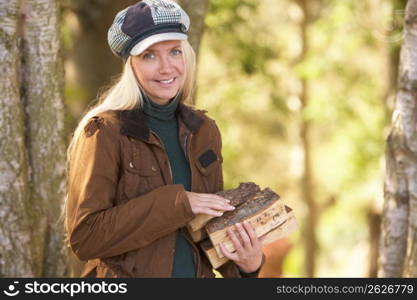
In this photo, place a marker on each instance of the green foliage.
(250, 76)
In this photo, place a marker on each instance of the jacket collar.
(133, 122)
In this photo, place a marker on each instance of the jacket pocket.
(142, 173)
(209, 164)
(142, 180)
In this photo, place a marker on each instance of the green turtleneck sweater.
(162, 120)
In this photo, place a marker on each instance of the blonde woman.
(142, 164)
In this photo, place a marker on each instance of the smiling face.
(160, 70)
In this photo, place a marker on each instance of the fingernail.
(231, 207)
(227, 200)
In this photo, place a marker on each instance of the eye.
(176, 51)
(148, 55)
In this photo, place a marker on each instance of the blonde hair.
(125, 95)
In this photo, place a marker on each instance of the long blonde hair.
(125, 95)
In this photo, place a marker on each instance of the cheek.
(143, 72)
(181, 67)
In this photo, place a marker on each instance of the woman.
(142, 164)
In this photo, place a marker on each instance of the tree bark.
(393, 59)
(42, 86)
(398, 251)
(32, 161)
(15, 238)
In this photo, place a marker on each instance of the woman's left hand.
(248, 254)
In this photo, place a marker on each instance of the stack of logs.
(263, 209)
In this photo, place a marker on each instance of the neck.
(160, 111)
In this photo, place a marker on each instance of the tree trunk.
(197, 11)
(15, 238)
(42, 85)
(374, 226)
(398, 245)
(307, 186)
(33, 153)
(94, 63)
(393, 51)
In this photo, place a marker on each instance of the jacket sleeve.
(231, 270)
(96, 227)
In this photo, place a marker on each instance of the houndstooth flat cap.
(145, 23)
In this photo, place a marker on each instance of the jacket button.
(153, 168)
(131, 165)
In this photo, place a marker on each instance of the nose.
(165, 65)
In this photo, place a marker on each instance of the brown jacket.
(122, 209)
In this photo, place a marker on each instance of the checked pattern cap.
(138, 22)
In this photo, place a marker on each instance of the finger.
(218, 206)
(232, 256)
(213, 196)
(262, 239)
(235, 241)
(246, 242)
(252, 234)
(212, 212)
(215, 201)
(213, 206)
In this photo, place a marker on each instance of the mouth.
(167, 81)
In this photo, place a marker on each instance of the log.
(263, 211)
(198, 235)
(237, 196)
(286, 228)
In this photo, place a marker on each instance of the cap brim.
(156, 38)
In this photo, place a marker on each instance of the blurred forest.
(302, 91)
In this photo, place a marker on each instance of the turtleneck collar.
(161, 112)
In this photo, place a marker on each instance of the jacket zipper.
(196, 256)
(172, 181)
(166, 155)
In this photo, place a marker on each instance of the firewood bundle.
(263, 209)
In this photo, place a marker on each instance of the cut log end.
(256, 203)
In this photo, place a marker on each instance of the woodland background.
(312, 97)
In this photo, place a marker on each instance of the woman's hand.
(248, 254)
(210, 204)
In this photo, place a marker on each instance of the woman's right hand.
(210, 204)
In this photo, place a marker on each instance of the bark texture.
(42, 84)
(398, 251)
(32, 162)
(15, 238)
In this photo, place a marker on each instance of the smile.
(166, 81)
